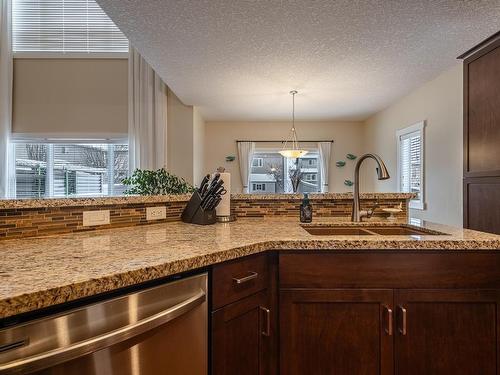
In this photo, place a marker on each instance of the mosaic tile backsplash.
(29, 218)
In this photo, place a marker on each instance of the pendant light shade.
(291, 147)
(293, 154)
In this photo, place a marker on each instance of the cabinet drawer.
(238, 279)
(384, 269)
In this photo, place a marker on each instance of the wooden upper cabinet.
(481, 205)
(483, 112)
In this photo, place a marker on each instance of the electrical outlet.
(156, 213)
(91, 218)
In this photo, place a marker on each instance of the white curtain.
(5, 93)
(325, 149)
(147, 119)
(246, 151)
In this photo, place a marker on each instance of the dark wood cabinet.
(482, 203)
(390, 312)
(336, 332)
(482, 136)
(359, 312)
(446, 332)
(244, 316)
(242, 337)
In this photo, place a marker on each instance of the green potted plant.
(159, 182)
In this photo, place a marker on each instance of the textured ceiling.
(238, 59)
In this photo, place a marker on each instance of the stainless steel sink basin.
(368, 230)
(323, 230)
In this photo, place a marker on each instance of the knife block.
(195, 214)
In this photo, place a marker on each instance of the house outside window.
(259, 187)
(272, 170)
(45, 170)
(258, 162)
(411, 166)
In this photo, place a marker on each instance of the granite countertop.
(320, 196)
(41, 272)
(12, 204)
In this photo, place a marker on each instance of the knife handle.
(216, 203)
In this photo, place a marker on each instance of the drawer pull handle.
(251, 276)
(388, 328)
(267, 314)
(403, 329)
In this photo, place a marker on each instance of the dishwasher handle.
(56, 356)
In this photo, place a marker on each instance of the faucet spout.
(382, 174)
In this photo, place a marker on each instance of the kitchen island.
(375, 299)
(41, 272)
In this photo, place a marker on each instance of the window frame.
(417, 204)
(23, 139)
(260, 162)
(309, 177)
(258, 186)
(263, 148)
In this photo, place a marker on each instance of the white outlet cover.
(156, 213)
(92, 218)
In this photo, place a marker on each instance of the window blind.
(64, 26)
(410, 159)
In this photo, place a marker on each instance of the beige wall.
(220, 141)
(186, 140)
(70, 96)
(439, 103)
(198, 147)
(179, 138)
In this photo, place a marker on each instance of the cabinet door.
(482, 113)
(446, 332)
(482, 204)
(336, 331)
(242, 334)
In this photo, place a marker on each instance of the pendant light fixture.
(291, 148)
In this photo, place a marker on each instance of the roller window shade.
(64, 26)
(70, 98)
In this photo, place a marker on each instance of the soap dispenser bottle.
(306, 211)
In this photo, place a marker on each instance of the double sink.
(368, 230)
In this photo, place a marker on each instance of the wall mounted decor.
(348, 183)
(340, 163)
(230, 158)
(351, 156)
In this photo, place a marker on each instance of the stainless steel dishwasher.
(160, 330)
